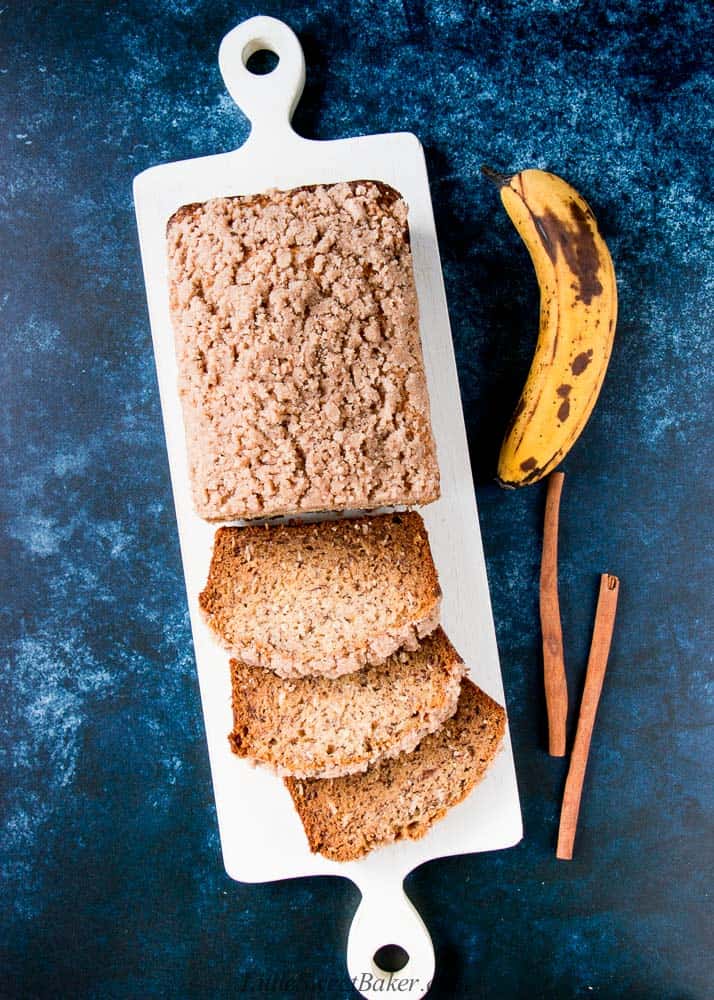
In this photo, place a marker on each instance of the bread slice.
(316, 727)
(345, 818)
(300, 366)
(324, 598)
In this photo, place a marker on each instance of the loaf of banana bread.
(299, 358)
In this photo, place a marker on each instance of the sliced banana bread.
(317, 727)
(324, 598)
(297, 340)
(345, 818)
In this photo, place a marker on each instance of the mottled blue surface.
(112, 881)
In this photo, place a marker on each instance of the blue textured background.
(112, 882)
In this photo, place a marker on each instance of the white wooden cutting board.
(261, 835)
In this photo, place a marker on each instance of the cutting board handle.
(267, 100)
(386, 917)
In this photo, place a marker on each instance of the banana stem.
(500, 180)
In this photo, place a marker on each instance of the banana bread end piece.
(322, 598)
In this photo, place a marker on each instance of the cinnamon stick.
(594, 677)
(556, 686)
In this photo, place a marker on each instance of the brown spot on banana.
(564, 411)
(581, 362)
(533, 476)
(529, 477)
(530, 463)
(578, 247)
(588, 256)
(564, 390)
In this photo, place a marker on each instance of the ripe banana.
(578, 312)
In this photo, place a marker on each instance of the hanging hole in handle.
(390, 958)
(261, 61)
